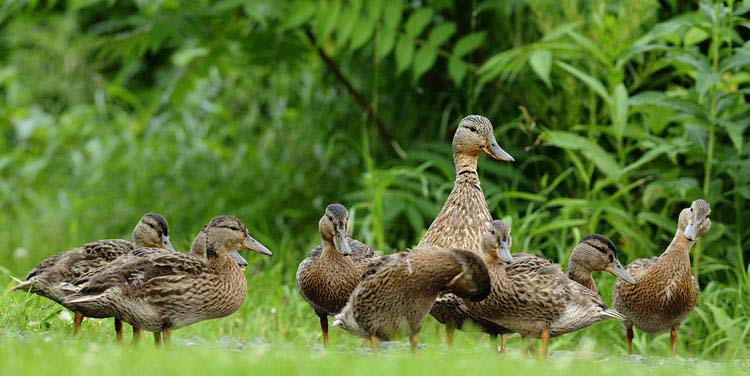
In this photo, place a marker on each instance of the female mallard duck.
(165, 291)
(465, 214)
(666, 290)
(532, 296)
(151, 231)
(397, 292)
(332, 270)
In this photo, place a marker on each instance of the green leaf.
(418, 21)
(362, 33)
(695, 35)
(591, 82)
(424, 60)
(620, 111)
(387, 40)
(441, 33)
(404, 53)
(184, 56)
(299, 13)
(328, 15)
(735, 130)
(392, 13)
(468, 43)
(541, 64)
(349, 18)
(373, 8)
(457, 69)
(603, 161)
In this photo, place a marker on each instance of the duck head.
(152, 231)
(334, 228)
(474, 136)
(473, 281)
(496, 241)
(224, 234)
(597, 253)
(694, 221)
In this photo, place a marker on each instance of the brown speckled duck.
(332, 270)
(532, 296)
(397, 292)
(465, 214)
(151, 231)
(666, 290)
(166, 291)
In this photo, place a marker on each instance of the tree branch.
(356, 95)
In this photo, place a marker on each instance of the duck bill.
(166, 244)
(495, 151)
(253, 245)
(238, 259)
(691, 230)
(617, 269)
(340, 242)
(504, 253)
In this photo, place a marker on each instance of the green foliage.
(619, 113)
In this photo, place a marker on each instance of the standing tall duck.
(666, 290)
(464, 215)
(332, 270)
(397, 292)
(166, 291)
(45, 279)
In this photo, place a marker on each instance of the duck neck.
(466, 168)
(582, 275)
(329, 250)
(678, 252)
(223, 263)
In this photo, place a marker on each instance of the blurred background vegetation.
(619, 114)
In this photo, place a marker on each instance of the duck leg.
(157, 339)
(324, 328)
(414, 342)
(629, 337)
(449, 335)
(673, 339)
(503, 343)
(545, 341)
(137, 335)
(374, 345)
(118, 330)
(493, 342)
(77, 323)
(167, 334)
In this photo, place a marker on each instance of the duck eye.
(234, 228)
(691, 210)
(706, 217)
(330, 218)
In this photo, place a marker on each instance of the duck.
(45, 279)
(532, 296)
(161, 292)
(198, 248)
(331, 271)
(464, 216)
(397, 292)
(666, 290)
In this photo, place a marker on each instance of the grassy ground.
(275, 331)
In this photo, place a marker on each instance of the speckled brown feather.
(325, 279)
(397, 291)
(665, 290)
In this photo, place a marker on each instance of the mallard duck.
(666, 290)
(532, 296)
(198, 248)
(166, 291)
(465, 214)
(332, 270)
(397, 292)
(151, 231)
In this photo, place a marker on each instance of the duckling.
(332, 270)
(397, 292)
(666, 290)
(465, 214)
(532, 296)
(151, 231)
(166, 291)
